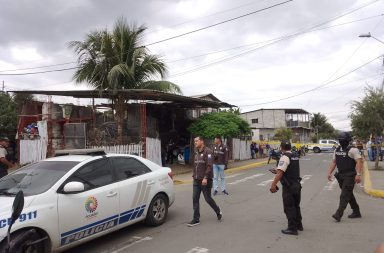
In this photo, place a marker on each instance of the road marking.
(246, 179)
(264, 183)
(330, 185)
(234, 175)
(198, 250)
(134, 240)
(304, 178)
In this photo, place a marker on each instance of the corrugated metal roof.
(133, 94)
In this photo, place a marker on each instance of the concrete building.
(264, 122)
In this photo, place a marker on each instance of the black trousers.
(291, 202)
(346, 183)
(206, 189)
(3, 172)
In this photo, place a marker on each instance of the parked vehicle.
(72, 199)
(323, 145)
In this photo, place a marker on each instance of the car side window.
(94, 174)
(323, 142)
(127, 167)
(332, 142)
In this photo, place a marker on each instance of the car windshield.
(35, 178)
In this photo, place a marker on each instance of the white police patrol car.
(75, 198)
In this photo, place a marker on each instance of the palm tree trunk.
(120, 113)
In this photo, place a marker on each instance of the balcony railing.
(291, 123)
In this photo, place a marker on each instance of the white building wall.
(266, 118)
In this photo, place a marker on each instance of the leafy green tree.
(115, 60)
(283, 134)
(8, 116)
(224, 123)
(367, 117)
(322, 128)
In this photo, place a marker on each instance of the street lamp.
(369, 35)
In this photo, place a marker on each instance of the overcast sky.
(235, 61)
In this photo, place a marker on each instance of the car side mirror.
(18, 205)
(73, 187)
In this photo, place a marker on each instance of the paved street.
(253, 218)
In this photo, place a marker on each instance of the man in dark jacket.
(288, 172)
(202, 181)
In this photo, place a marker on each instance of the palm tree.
(117, 60)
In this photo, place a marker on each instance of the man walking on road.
(288, 172)
(220, 163)
(4, 163)
(202, 181)
(349, 164)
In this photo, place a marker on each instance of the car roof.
(81, 158)
(71, 158)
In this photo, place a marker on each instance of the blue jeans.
(370, 154)
(218, 171)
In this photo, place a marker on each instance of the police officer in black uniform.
(349, 163)
(288, 173)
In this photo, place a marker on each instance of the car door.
(135, 188)
(87, 213)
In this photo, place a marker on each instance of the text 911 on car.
(72, 199)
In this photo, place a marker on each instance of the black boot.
(336, 217)
(354, 215)
(289, 232)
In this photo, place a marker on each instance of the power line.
(209, 53)
(46, 66)
(271, 40)
(39, 72)
(173, 37)
(316, 88)
(210, 15)
(276, 40)
(220, 23)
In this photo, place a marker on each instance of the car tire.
(316, 150)
(157, 211)
(20, 240)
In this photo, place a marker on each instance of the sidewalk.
(182, 174)
(374, 179)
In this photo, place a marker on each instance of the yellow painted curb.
(228, 171)
(368, 184)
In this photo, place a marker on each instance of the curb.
(368, 184)
(228, 171)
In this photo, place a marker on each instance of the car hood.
(7, 202)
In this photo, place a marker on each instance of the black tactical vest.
(292, 174)
(345, 164)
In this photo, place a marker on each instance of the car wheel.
(316, 150)
(158, 211)
(20, 242)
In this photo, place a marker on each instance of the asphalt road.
(253, 218)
